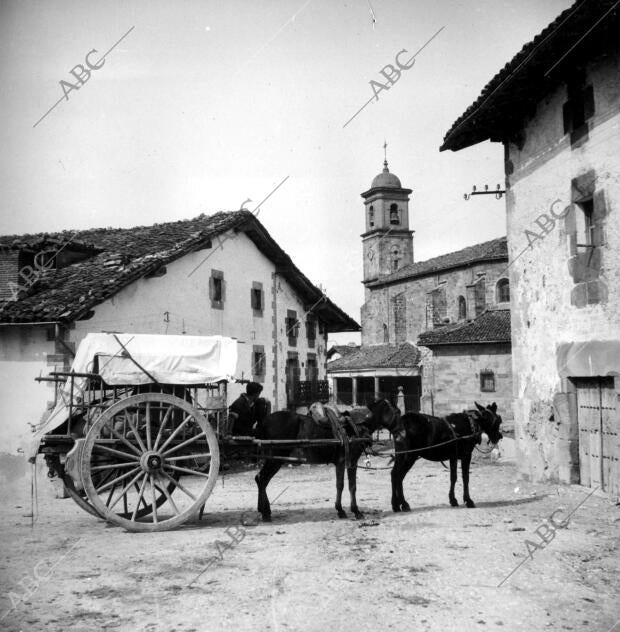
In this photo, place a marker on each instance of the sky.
(205, 104)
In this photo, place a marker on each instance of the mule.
(451, 438)
(289, 425)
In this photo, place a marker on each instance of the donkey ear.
(493, 407)
(480, 408)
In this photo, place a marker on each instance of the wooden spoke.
(131, 457)
(124, 490)
(148, 425)
(121, 438)
(154, 497)
(161, 428)
(117, 480)
(186, 471)
(187, 442)
(179, 485)
(96, 468)
(140, 498)
(206, 455)
(176, 432)
(169, 497)
(135, 433)
(107, 502)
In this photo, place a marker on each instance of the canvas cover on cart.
(135, 359)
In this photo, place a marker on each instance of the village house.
(456, 306)
(213, 275)
(556, 108)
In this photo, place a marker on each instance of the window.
(259, 363)
(462, 304)
(394, 215)
(480, 300)
(386, 335)
(217, 289)
(487, 381)
(584, 223)
(436, 302)
(312, 369)
(257, 299)
(311, 331)
(371, 217)
(503, 291)
(395, 254)
(292, 327)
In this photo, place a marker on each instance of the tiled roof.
(341, 350)
(494, 250)
(378, 357)
(120, 256)
(490, 326)
(584, 30)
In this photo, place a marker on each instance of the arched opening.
(503, 291)
(462, 304)
(395, 258)
(371, 217)
(394, 215)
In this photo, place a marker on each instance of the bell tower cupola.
(387, 241)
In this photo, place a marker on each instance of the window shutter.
(567, 113)
(588, 103)
(211, 288)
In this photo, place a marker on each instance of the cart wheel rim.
(151, 443)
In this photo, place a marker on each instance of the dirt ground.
(435, 568)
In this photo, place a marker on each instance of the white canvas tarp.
(167, 359)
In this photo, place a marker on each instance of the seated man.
(241, 411)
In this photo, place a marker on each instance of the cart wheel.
(155, 444)
(80, 500)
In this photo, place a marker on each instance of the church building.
(435, 333)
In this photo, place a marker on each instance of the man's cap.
(253, 388)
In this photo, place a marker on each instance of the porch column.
(400, 400)
(354, 391)
(377, 391)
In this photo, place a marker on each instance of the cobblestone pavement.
(435, 568)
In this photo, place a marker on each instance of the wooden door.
(599, 448)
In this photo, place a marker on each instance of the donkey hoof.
(470, 504)
(454, 502)
(405, 507)
(395, 508)
(266, 517)
(342, 514)
(358, 515)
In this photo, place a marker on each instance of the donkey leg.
(410, 459)
(268, 471)
(352, 476)
(453, 475)
(465, 462)
(339, 488)
(398, 474)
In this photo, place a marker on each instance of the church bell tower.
(387, 241)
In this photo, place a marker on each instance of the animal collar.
(473, 417)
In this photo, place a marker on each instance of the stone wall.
(553, 302)
(451, 379)
(384, 305)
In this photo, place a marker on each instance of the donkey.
(454, 436)
(289, 425)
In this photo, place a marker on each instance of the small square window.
(487, 381)
(257, 299)
(259, 364)
(217, 289)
